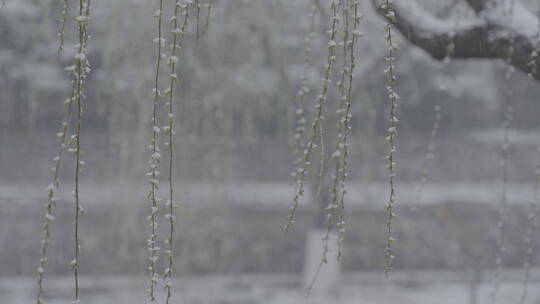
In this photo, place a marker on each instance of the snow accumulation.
(519, 18)
(278, 195)
(405, 287)
(411, 10)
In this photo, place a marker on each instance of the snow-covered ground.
(426, 287)
(237, 227)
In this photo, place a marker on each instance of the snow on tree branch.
(491, 33)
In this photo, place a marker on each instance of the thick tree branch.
(478, 5)
(490, 34)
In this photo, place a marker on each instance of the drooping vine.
(52, 189)
(180, 9)
(341, 153)
(392, 130)
(334, 214)
(82, 68)
(341, 148)
(336, 208)
(300, 112)
(155, 158)
(79, 70)
(356, 34)
(316, 129)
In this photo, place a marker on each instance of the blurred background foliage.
(236, 106)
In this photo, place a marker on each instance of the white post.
(328, 275)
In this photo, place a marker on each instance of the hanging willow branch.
(178, 35)
(506, 146)
(82, 68)
(154, 162)
(533, 215)
(334, 214)
(345, 121)
(428, 156)
(52, 189)
(316, 129)
(531, 233)
(336, 208)
(392, 130)
(300, 113)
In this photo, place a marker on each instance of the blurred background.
(234, 153)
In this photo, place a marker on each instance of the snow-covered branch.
(479, 5)
(491, 33)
